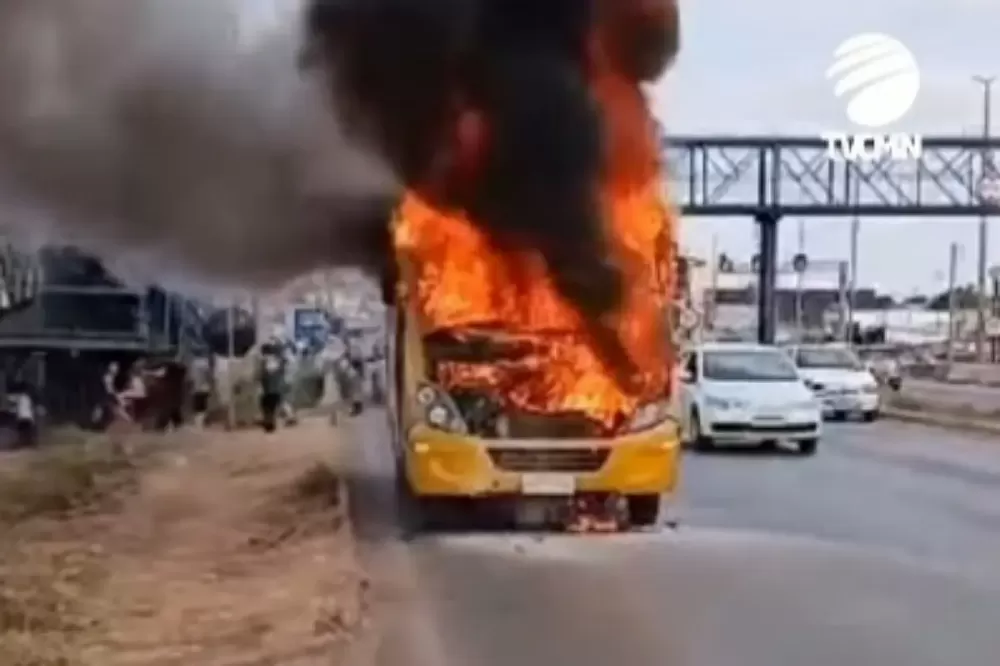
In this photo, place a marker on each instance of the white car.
(846, 388)
(746, 394)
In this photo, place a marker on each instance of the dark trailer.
(64, 317)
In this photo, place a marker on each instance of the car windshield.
(748, 366)
(828, 357)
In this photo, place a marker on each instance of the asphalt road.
(884, 549)
(984, 399)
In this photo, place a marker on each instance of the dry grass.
(74, 471)
(49, 566)
(228, 550)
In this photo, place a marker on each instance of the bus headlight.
(651, 415)
(439, 410)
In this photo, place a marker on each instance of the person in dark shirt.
(271, 375)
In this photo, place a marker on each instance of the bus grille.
(549, 460)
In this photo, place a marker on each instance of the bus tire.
(643, 510)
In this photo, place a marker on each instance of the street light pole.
(952, 303)
(853, 278)
(711, 301)
(799, 278)
(982, 301)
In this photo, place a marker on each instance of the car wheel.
(643, 510)
(699, 441)
(871, 416)
(807, 447)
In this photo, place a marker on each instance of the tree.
(966, 297)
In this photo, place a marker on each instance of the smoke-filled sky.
(758, 67)
(178, 127)
(744, 68)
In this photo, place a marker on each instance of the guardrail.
(974, 373)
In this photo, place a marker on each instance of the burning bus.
(498, 397)
(535, 248)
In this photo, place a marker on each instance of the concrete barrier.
(942, 420)
(975, 373)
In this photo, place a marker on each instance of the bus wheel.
(420, 514)
(408, 509)
(643, 510)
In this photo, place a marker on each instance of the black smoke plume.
(184, 130)
(402, 72)
(160, 125)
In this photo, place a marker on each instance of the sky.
(759, 68)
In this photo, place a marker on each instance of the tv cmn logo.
(880, 79)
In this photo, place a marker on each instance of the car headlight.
(439, 410)
(651, 415)
(714, 402)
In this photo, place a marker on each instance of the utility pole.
(799, 277)
(952, 301)
(710, 302)
(843, 330)
(987, 168)
(995, 339)
(853, 278)
(231, 361)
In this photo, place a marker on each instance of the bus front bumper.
(444, 464)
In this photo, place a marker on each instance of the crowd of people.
(161, 394)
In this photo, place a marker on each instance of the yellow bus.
(459, 455)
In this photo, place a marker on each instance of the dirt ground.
(196, 549)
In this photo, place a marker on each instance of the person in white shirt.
(135, 395)
(22, 404)
(202, 381)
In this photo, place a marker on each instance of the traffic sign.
(311, 326)
(993, 327)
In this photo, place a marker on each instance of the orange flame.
(461, 280)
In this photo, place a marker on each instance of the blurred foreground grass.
(50, 499)
(184, 549)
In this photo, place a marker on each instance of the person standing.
(271, 376)
(357, 372)
(110, 407)
(292, 355)
(167, 390)
(135, 396)
(202, 381)
(25, 412)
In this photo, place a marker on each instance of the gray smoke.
(181, 128)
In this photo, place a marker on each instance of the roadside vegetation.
(190, 549)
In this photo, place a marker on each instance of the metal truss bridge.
(771, 177)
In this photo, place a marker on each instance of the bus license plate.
(548, 484)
